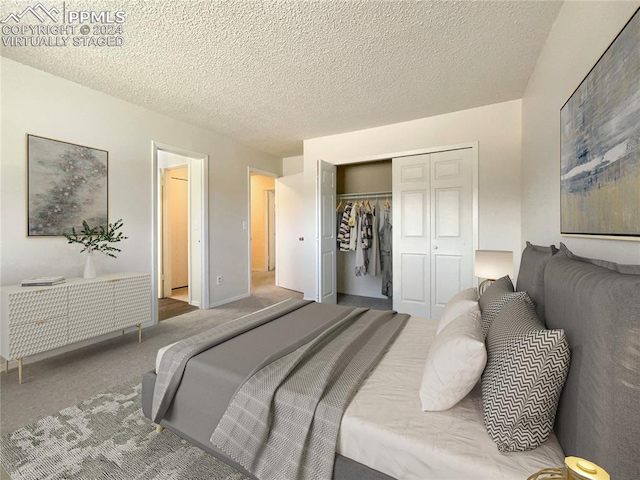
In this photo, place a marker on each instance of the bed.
(384, 434)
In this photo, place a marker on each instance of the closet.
(434, 218)
(366, 187)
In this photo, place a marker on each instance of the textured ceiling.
(271, 74)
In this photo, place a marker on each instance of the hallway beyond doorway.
(181, 294)
(262, 282)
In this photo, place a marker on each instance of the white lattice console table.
(37, 319)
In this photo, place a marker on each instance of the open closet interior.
(428, 205)
(364, 220)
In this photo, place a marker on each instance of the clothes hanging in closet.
(386, 256)
(366, 228)
(361, 269)
(353, 227)
(373, 265)
(344, 233)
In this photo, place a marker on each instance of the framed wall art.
(66, 184)
(600, 144)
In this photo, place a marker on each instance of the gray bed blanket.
(175, 359)
(283, 422)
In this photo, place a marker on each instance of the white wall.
(581, 33)
(42, 104)
(292, 165)
(497, 128)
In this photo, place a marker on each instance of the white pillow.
(455, 363)
(462, 302)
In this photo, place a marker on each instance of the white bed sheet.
(385, 428)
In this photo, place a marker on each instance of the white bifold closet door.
(326, 231)
(433, 230)
(411, 259)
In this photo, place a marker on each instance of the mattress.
(384, 427)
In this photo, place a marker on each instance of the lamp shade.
(493, 264)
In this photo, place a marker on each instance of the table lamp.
(491, 265)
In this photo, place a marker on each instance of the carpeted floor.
(106, 437)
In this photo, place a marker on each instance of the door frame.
(387, 156)
(202, 161)
(264, 173)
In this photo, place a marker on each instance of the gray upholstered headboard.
(598, 416)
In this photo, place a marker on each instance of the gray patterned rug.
(105, 437)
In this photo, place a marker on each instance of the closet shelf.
(343, 196)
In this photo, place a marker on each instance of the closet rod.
(363, 195)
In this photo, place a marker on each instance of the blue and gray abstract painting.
(600, 144)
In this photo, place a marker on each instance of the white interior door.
(411, 259)
(452, 225)
(271, 230)
(326, 231)
(289, 237)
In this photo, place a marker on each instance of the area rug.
(106, 437)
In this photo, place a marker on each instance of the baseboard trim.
(229, 300)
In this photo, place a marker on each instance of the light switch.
(244, 225)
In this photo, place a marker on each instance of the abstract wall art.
(600, 144)
(67, 184)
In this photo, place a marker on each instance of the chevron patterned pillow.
(494, 298)
(521, 384)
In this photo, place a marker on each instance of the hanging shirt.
(361, 269)
(344, 234)
(367, 229)
(386, 256)
(353, 228)
(373, 266)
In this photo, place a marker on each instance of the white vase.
(90, 267)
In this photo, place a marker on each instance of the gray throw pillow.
(521, 385)
(531, 274)
(616, 267)
(493, 299)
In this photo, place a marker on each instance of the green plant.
(97, 239)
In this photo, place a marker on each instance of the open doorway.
(181, 259)
(262, 231)
(175, 233)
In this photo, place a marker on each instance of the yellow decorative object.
(581, 469)
(574, 469)
(548, 474)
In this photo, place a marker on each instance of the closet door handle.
(435, 247)
(301, 239)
